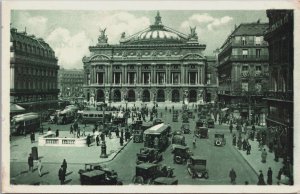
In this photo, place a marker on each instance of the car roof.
(93, 173)
(176, 146)
(195, 157)
(166, 180)
(146, 165)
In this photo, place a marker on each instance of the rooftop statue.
(103, 37)
(193, 35)
(123, 35)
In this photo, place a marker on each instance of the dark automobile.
(220, 139)
(202, 118)
(157, 121)
(201, 132)
(147, 172)
(181, 154)
(175, 116)
(210, 123)
(150, 155)
(95, 174)
(185, 128)
(199, 123)
(197, 167)
(185, 117)
(165, 181)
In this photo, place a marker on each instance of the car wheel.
(178, 159)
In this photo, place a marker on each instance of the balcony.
(282, 96)
(249, 58)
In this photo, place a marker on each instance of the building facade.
(70, 83)
(243, 72)
(211, 79)
(280, 97)
(156, 64)
(33, 72)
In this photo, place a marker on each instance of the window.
(258, 87)
(234, 51)
(244, 42)
(258, 53)
(245, 53)
(245, 86)
(258, 40)
(245, 68)
(258, 68)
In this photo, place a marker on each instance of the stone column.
(199, 76)
(182, 74)
(126, 73)
(153, 74)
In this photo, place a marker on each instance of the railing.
(249, 57)
(280, 95)
(50, 140)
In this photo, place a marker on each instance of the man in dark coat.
(244, 145)
(32, 137)
(61, 175)
(232, 176)
(269, 174)
(261, 180)
(97, 140)
(64, 166)
(30, 162)
(248, 148)
(88, 140)
(57, 133)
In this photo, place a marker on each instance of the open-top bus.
(157, 136)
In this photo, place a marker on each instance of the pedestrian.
(64, 166)
(248, 148)
(121, 140)
(88, 140)
(61, 175)
(30, 162)
(78, 132)
(39, 167)
(239, 144)
(32, 137)
(269, 174)
(260, 145)
(230, 127)
(83, 132)
(71, 129)
(244, 145)
(261, 180)
(194, 141)
(234, 140)
(232, 175)
(97, 140)
(57, 133)
(264, 156)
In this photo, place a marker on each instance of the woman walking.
(39, 167)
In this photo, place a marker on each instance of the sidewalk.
(254, 160)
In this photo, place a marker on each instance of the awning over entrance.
(14, 108)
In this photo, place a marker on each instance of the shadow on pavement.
(67, 181)
(45, 173)
(69, 173)
(23, 172)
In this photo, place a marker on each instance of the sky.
(70, 33)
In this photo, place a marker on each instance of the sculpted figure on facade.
(193, 35)
(103, 37)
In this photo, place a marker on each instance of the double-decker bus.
(25, 123)
(157, 136)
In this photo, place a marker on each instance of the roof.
(28, 39)
(156, 129)
(248, 29)
(146, 165)
(156, 33)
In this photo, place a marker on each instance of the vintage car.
(95, 174)
(185, 128)
(197, 167)
(199, 123)
(201, 132)
(220, 139)
(149, 155)
(178, 140)
(165, 181)
(181, 154)
(185, 117)
(202, 118)
(210, 123)
(157, 121)
(147, 172)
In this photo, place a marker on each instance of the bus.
(157, 136)
(25, 123)
(89, 116)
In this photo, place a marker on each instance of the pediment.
(99, 58)
(193, 56)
